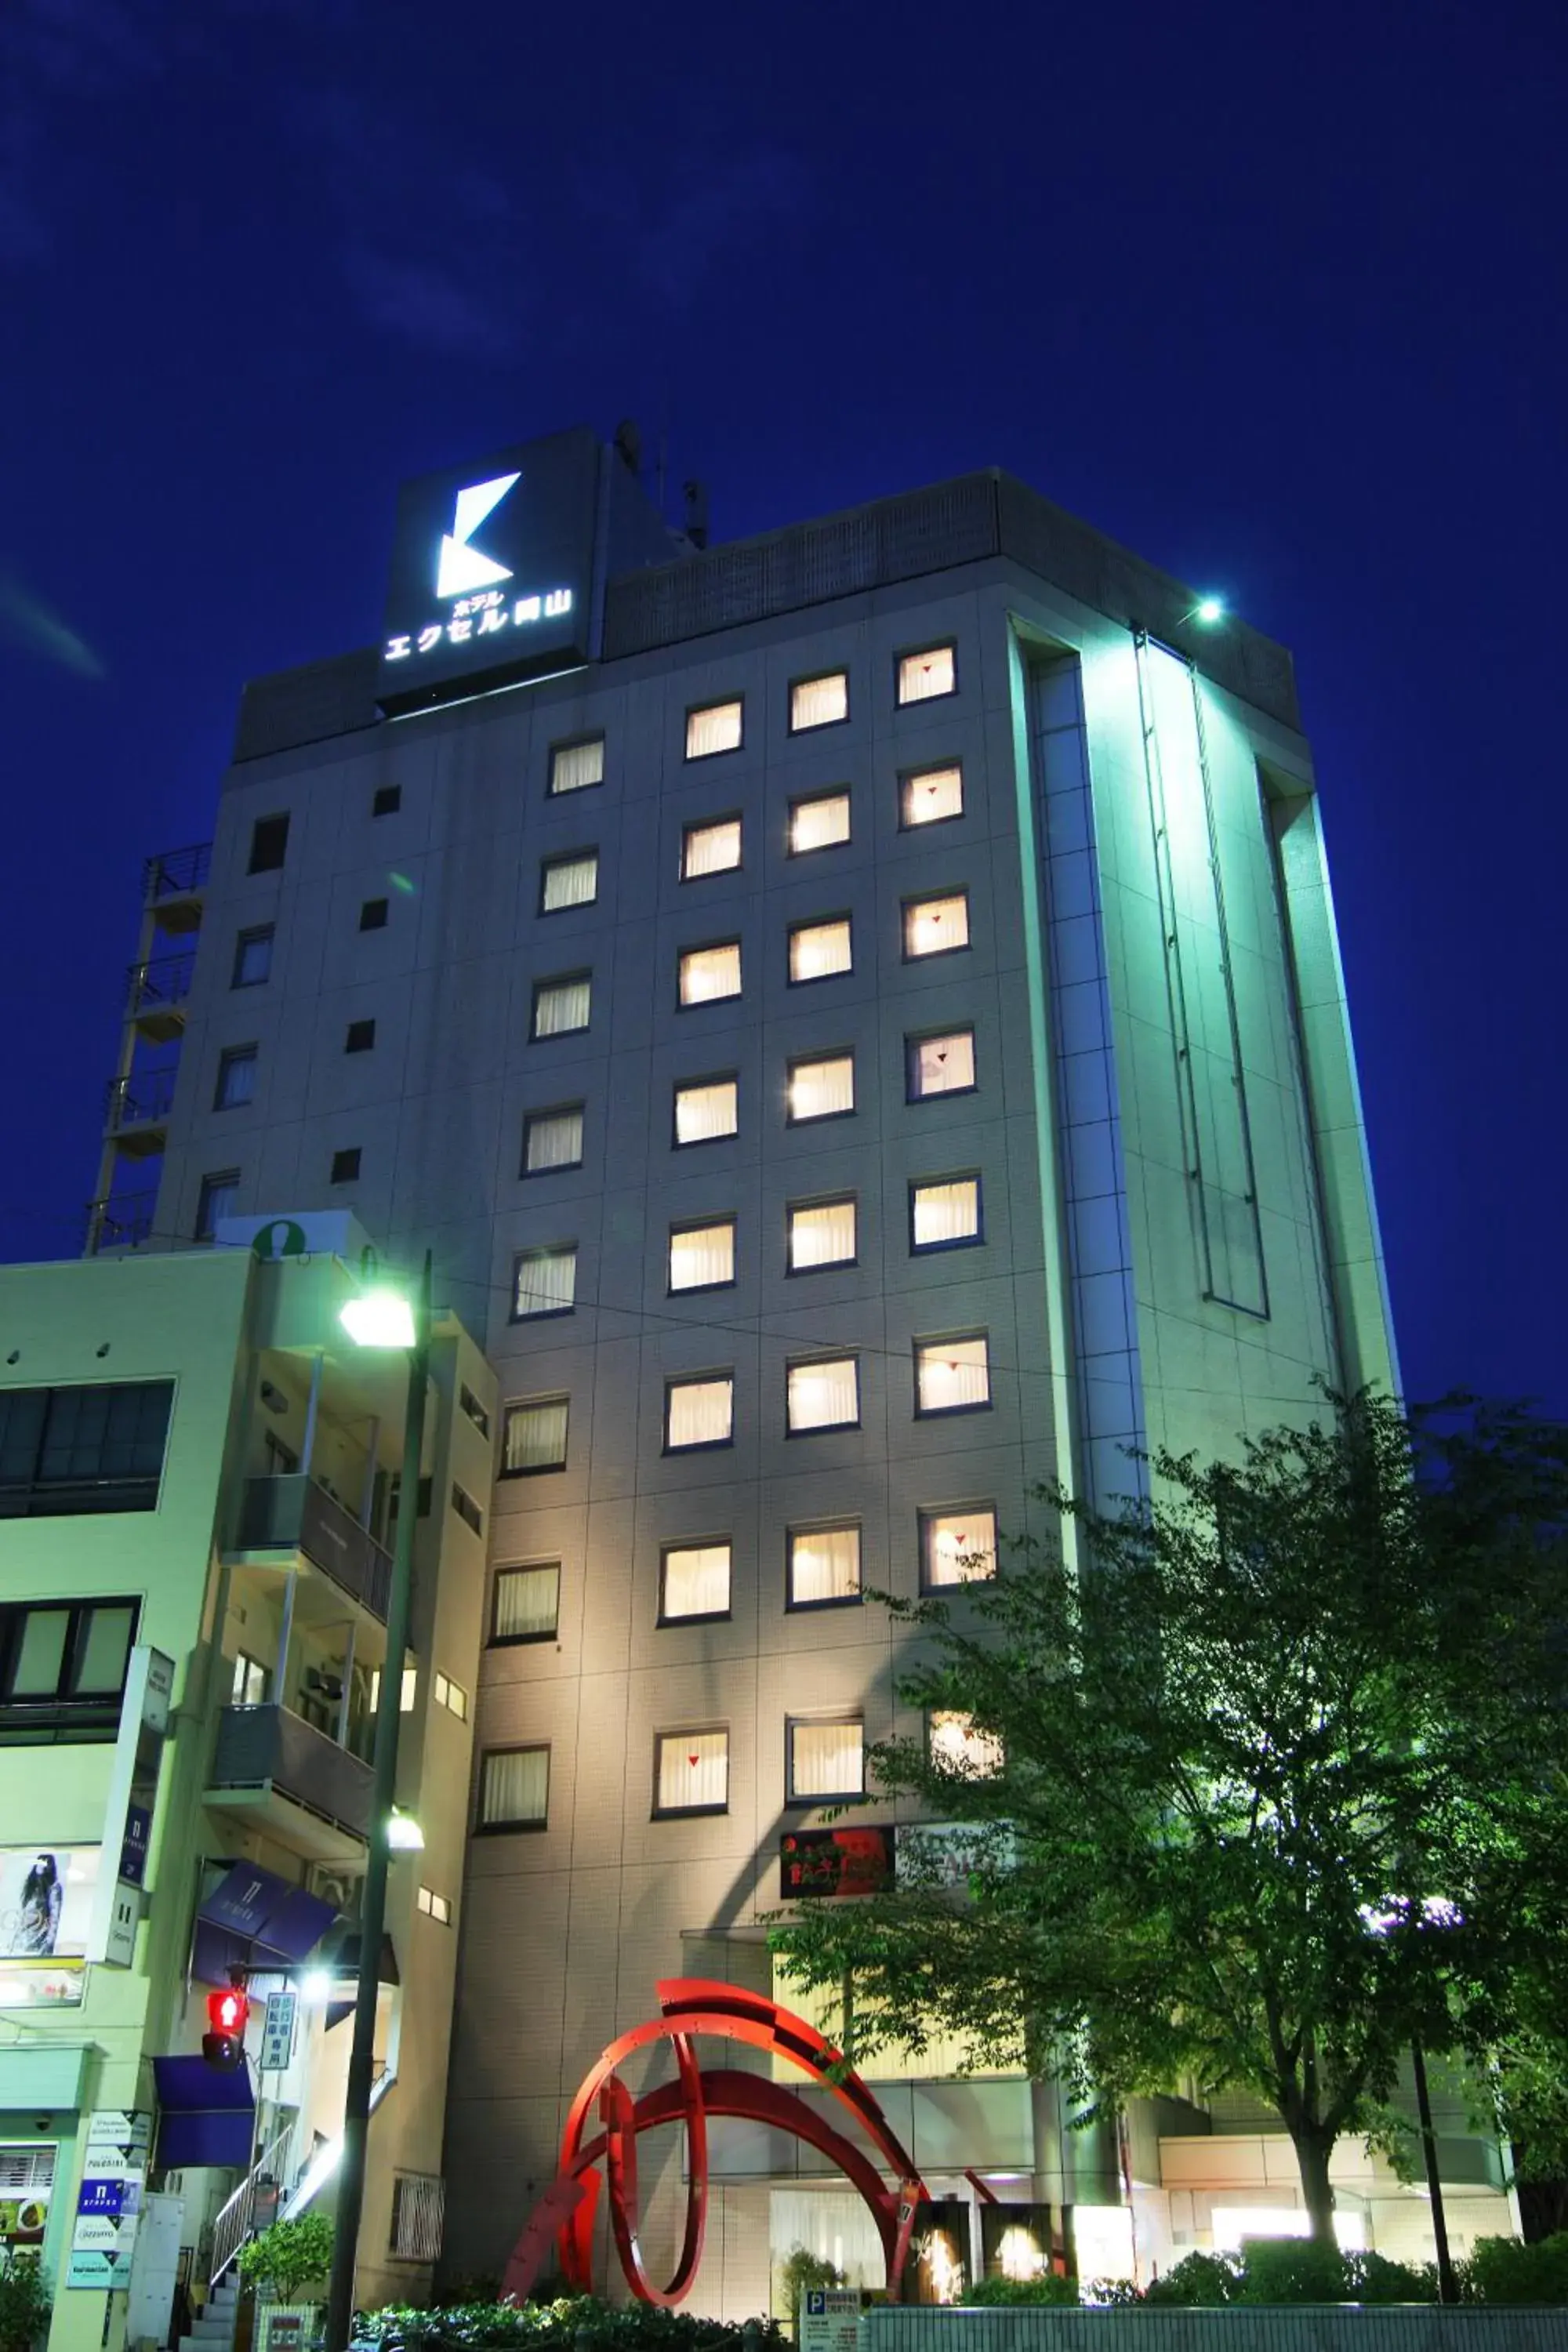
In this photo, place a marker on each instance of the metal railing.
(296, 1513)
(120, 1222)
(235, 2223)
(176, 873)
(164, 981)
(259, 1746)
(139, 1101)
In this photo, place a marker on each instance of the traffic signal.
(224, 2045)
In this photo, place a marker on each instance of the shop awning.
(207, 2116)
(255, 1919)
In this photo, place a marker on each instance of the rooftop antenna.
(628, 445)
(696, 512)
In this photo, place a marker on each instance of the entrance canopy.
(207, 2115)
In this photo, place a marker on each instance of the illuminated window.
(936, 926)
(702, 1257)
(818, 701)
(710, 848)
(715, 728)
(826, 1759)
(473, 1408)
(700, 1413)
(931, 795)
(706, 1111)
(821, 1089)
(573, 766)
(940, 1066)
(709, 974)
(925, 674)
(218, 1198)
(944, 1214)
(958, 1547)
(818, 823)
(253, 958)
(534, 1437)
(823, 1394)
(824, 1565)
(692, 1772)
(236, 1077)
(957, 1747)
(552, 1139)
(694, 1581)
(451, 1695)
(435, 1907)
(514, 1789)
(407, 1692)
(816, 951)
(560, 1006)
(544, 1281)
(527, 1603)
(569, 881)
(953, 1375)
(822, 1233)
(250, 1682)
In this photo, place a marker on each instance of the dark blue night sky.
(1275, 295)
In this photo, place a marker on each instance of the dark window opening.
(346, 1165)
(372, 915)
(360, 1037)
(70, 1450)
(268, 844)
(387, 800)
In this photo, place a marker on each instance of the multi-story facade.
(859, 1025)
(199, 1476)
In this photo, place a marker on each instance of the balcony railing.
(122, 1222)
(161, 985)
(296, 1514)
(268, 1746)
(176, 873)
(139, 1101)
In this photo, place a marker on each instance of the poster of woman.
(46, 1900)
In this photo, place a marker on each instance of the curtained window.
(552, 1139)
(695, 1581)
(715, 728)
(700, 1413)
(958, 1547)
(709, 972)
(826, 1759)
(702, 1256)
(561, 1005)
(707, 1110)
(824, 1565)
(692, 1772)
(824, 1394)
(931, 794)
(569, 882)
(818, 701)
(823, 1089)
(944, 1214)
(514, 1789)
(544, 1281)
(957, 1747)
(936, 926)
(710, 848)
(818, 823)
(941, 1066)
(952, 1375)
(816, 951)
(527, 1603)
(573, 765)
(534, 1437)
(821, 1233)
(236, 1078)
(925, 674)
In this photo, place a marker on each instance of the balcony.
(295, 1514)
(155, 996)
(271, 1767)
(121, 1221)
(137, 1112)
(173, 884)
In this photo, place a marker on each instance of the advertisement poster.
(46, 1900)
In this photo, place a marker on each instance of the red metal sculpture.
(690, 2006)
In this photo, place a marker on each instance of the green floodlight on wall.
(379, 1319)
(1208, 610)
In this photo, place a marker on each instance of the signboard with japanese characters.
(492, 571)
(829, 2319)
(278, 2032)
(108, 2199)
(835, 1862)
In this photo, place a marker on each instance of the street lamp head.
(404, 1835)
(1208, 610)
(379, 1319)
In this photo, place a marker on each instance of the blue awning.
(255, 1919)
(207, 2115)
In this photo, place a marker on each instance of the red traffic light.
(226, 2012)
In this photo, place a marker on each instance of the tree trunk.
(1313, 2149)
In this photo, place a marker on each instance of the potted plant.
(280, 2264)
(23, 2303)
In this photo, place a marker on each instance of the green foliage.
(288, 2256)
(1289, 2270)
(1501, 2269)
(1198, 2281)
(1376, 2278)
(1047, 2289)
(799, 2270)
(23, 2303)
(557, 2327)
(1285, 1784)
(1292, 2270)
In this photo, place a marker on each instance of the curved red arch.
(691, 2005)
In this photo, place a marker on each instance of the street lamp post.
(1448, 2286)
(373, 1908)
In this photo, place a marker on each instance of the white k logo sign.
(461, 568)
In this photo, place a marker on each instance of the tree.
(1270, 1787)
(288, 2255)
